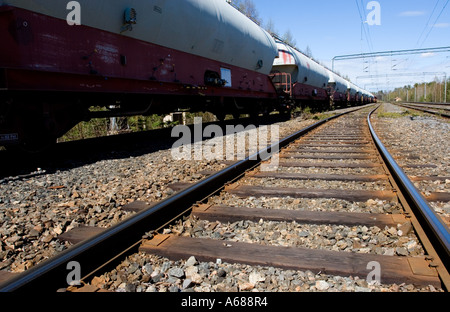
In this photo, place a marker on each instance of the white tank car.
(208, 28)
(307, 71)
(342, 85)
(353, 89)
(302, 69)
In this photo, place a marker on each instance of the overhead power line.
(443, 74)
(418, 44)
(428, 23)
(389, 53)
(363, 26)
(431, 29)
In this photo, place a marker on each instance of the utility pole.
(435, 93)
(445, 89)
(113, 129)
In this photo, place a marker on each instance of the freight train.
(59, 58)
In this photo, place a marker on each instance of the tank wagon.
(141, 57)
(303, 80)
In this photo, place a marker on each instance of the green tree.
(270, 27)
(289, 38)
(308, 51)
(248, 7)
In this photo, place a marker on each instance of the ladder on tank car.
(282, 83)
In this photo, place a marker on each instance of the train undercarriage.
(49, 82)
(33, 121)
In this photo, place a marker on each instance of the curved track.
(335, 143)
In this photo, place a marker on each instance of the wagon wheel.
(37, 140)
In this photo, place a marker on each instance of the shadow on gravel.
(16, 165)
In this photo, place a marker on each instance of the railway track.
(416, 143)
(442, 110)
(339, 151)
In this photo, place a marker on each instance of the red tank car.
(153, 57)
(59, 58)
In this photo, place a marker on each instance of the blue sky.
(333, 27)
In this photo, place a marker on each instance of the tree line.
(432, 92)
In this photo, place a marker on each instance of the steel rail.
(425, 110)
(91, 254)
(429, 103)
(436, 230)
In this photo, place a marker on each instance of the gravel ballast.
(34, 211)
(415, 138)
(225, 277)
